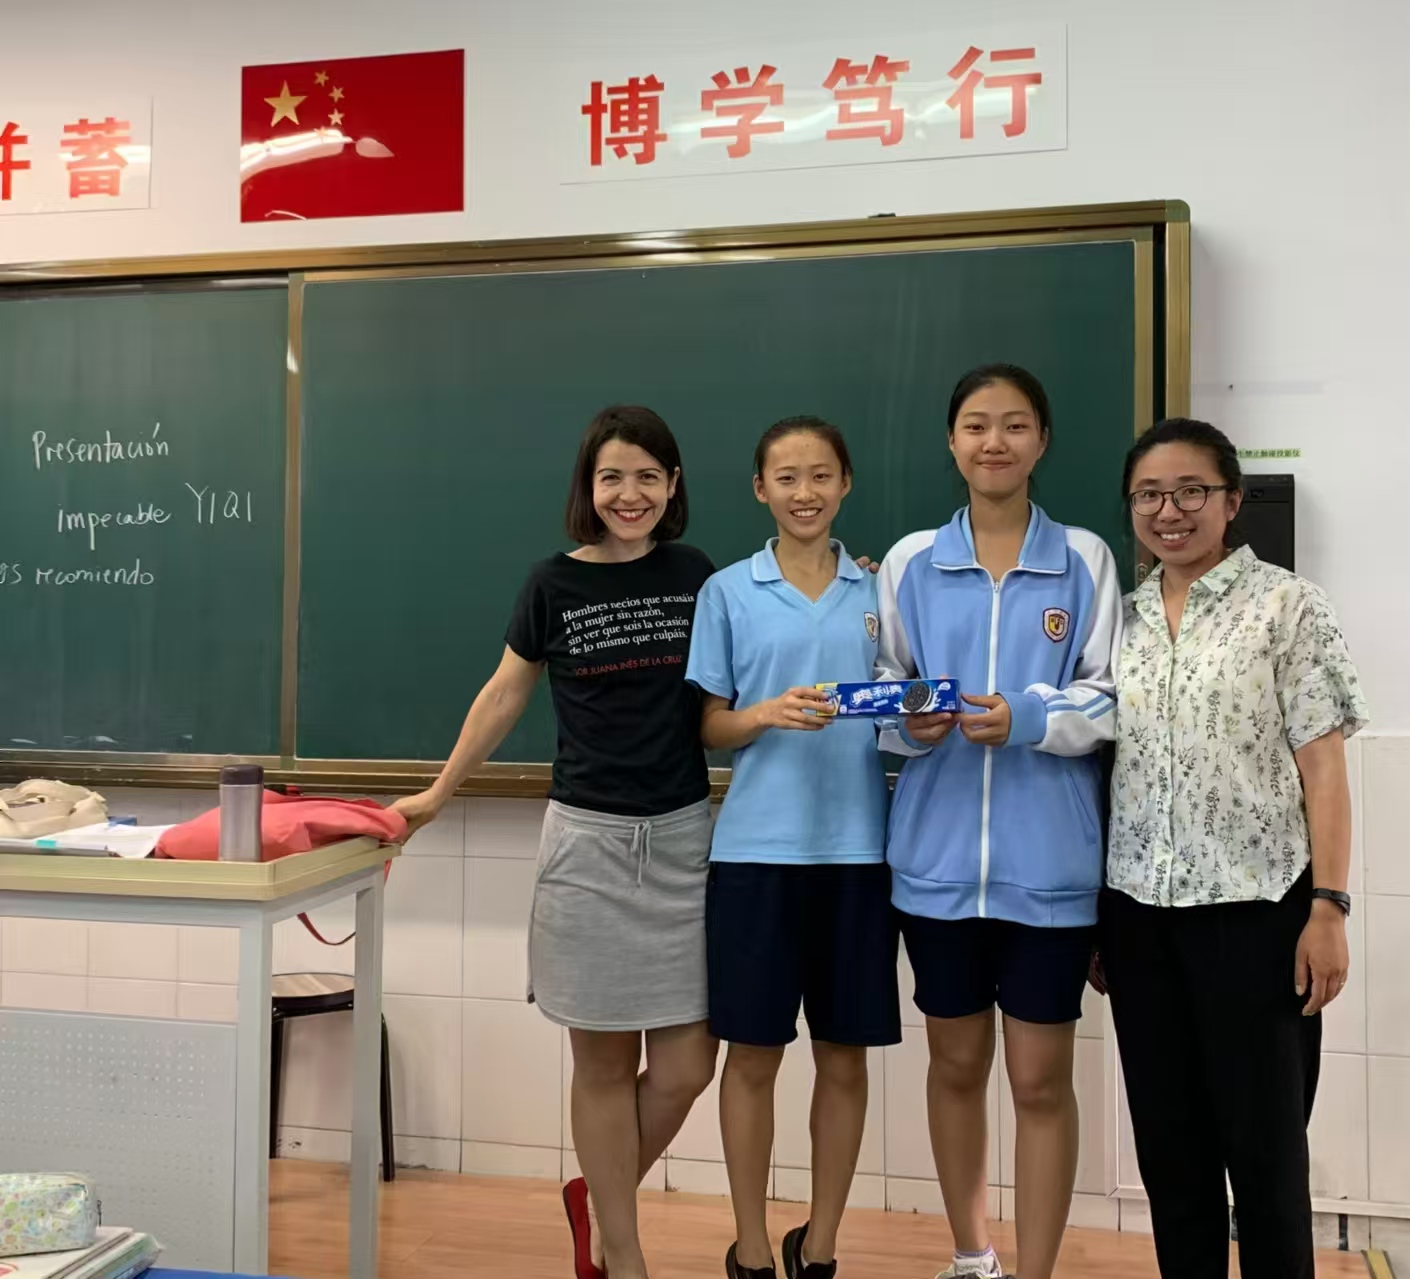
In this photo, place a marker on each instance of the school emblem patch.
(873, 627)
(1055, 624)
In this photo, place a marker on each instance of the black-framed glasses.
(1188, 497)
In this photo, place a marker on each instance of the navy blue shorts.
(966, 966)
(820, 937)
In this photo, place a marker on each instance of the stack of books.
(117, 1253)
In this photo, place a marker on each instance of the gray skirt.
(617, 932)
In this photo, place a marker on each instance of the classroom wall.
(1279, 121)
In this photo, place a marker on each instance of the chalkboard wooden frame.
(1159, 231)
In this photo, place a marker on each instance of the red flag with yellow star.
(353, 137)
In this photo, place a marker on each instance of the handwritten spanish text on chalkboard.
(141, 520)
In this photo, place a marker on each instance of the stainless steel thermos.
(241, 808)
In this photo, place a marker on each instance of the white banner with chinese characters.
(938, 95)
(84, 151)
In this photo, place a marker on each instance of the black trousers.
(1221, 1072)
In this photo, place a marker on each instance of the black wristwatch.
(1331, 895)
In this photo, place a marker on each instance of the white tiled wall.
(1384, 764)
(480, 1078)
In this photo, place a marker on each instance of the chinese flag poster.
(353, 137)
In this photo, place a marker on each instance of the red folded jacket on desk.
(289, 824)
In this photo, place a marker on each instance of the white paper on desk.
(104, 840)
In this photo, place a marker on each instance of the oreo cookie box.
(893, 697)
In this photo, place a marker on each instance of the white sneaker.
(985, 1267)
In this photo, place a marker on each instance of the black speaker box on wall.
(1266, 521)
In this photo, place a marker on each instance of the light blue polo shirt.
(796, 797)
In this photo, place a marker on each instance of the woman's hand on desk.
(418, 810)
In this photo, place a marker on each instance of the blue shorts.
(822, 937)
(966, 966)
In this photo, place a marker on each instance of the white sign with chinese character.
(941, 95)
(75, 154)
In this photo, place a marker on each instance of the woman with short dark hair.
(617, 934)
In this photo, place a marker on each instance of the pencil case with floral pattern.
(46, 1212)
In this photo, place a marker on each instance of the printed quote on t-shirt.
(626, 635)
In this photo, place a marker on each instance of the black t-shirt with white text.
(615, 638)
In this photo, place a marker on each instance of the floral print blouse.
(1206, 798)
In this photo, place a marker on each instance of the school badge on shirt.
(873, 627)
(1055, 624)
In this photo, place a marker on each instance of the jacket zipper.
(989, 755)
(993, 688)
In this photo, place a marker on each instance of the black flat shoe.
(793, 1266)
(735, 1271)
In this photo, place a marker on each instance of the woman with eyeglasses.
(1223, 926)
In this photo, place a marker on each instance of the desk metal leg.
(367, 1057)
(252, 1098)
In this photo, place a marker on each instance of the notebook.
(119, 1253)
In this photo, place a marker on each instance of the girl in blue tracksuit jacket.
(995, 838)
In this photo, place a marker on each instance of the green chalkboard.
(441, 418)
(141, 520)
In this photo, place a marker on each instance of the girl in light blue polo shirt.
(798, 905)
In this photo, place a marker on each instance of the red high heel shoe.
(575, 1202)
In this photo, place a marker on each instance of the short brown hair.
(631, 424)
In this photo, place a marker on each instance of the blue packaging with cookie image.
(892, 697)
